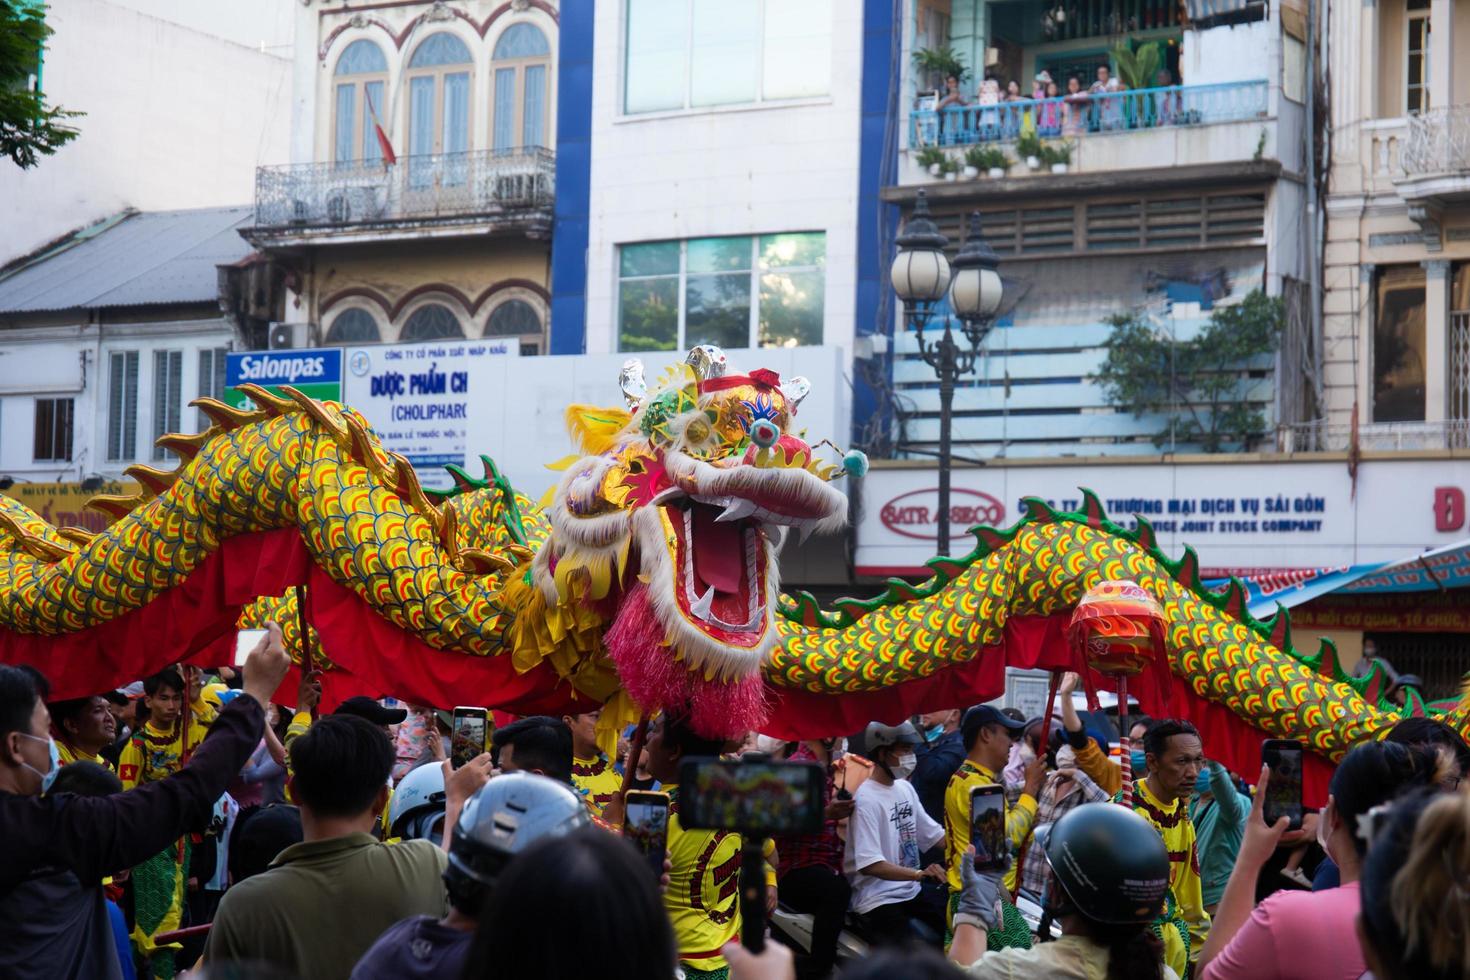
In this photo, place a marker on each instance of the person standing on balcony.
(951, 124)
(1050, 111)
(1168, 104)
(1108, 110)
(989, 118)
(952, 94)
(1074, 108)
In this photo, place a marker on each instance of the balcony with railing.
(438, 194)
(1434, 162)
(1094, 113)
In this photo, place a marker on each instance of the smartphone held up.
(757, 798)
(469, 734)
(646, 826)
(988, 827)
(1284, 788)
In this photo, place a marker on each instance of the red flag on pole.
(389, 157)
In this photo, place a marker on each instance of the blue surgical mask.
(1202, 782)
(49, 777)
(933, 732)
(1139, 760)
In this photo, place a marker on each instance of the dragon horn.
(630, 379)
(795, 389)
(708, 362)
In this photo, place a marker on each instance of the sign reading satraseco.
(317, 373)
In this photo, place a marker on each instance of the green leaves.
(1138, 69)
(1200, 384)
(28, 126)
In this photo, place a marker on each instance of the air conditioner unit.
(289, 336)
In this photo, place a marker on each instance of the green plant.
(950, 166)
(1028, 145)
(929, 156)
(943, 61)
(1054, 153)
(1199, 385)
(29, 125)
(987, 158)
(1137, 69)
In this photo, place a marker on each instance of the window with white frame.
(438, 80)
(520, 66)
(168, 396)
(211, 378)
(122, 406)
(1416, 57)
(53, 430)
(358, 85)
(740, 291)
(689, 54)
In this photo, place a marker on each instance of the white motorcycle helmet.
(416, 811)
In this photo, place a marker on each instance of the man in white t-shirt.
(888, 831)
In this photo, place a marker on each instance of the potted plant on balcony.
(991, 159)
(937, 64)
(1056, 156)
(931, 158)
(951, 168)
(974, 162)
(1028, 148)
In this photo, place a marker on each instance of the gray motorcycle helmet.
(511, 812)
(879, 736)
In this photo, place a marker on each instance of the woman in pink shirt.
(1309, 934)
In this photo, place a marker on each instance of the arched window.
(432, 321)
(438, 107)
(517, 318)
(353, 326)
(522, 64)
(358, 85)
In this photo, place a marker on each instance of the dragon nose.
(794, 452)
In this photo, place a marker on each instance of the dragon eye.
(697, 431)
(764, 433)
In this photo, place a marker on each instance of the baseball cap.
(366, 707)
(982, 715)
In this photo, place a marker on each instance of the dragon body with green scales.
(647, 580)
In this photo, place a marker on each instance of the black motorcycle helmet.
(1110, 863)
(507, 815)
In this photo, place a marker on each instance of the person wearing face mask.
(1309, 934)
(1218, 813)
(81, 838)
(888, 831)
(987, 734)
(938, 758)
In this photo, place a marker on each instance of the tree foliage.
(28, 126)
(1199, 385)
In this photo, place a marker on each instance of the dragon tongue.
(719, 558)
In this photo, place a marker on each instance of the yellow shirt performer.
(84, 727)
(1175, 756)
(159, 748)
(987, 735)
(593, 775)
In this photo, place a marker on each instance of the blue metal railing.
(1077, 115)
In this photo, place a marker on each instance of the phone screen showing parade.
(1284, 791)
(764, 798)
(988, 827)
(646, 826)
(467, 735)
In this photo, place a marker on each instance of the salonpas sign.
(1238, 515)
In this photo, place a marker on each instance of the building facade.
(1397, 258)
(418, 201)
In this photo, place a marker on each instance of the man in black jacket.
(65, 844)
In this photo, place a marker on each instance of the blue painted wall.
(882, 32)
(573, 179)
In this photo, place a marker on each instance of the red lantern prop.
(1118, 629)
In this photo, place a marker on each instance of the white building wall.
(178, 112)
(738, 170)
(72, 361)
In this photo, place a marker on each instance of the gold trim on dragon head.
(690, 490)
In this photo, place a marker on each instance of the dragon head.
(674, 517)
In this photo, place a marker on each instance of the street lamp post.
(921, 275)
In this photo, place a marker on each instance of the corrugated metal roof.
(146, 258)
